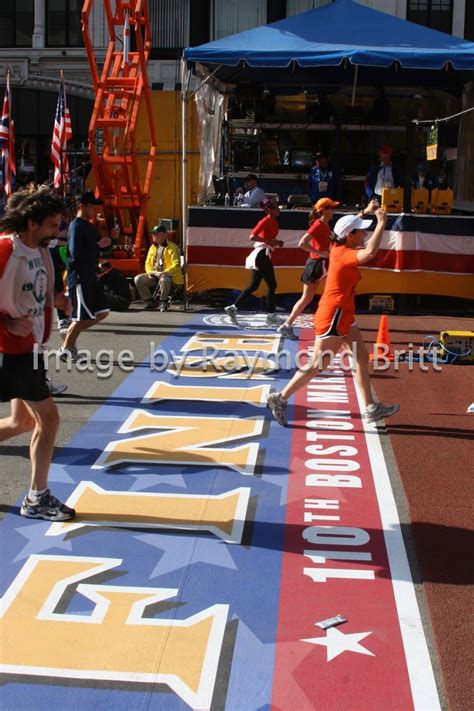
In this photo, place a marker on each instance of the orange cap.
(323, 203)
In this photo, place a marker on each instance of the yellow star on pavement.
(337, 642)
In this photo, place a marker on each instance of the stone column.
(39, 27)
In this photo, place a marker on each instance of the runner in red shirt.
(316, 242)
(334, 319)
(264, 236)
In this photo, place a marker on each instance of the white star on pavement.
(337, 642)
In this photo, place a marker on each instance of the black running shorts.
(88, 300)
(314, 270)
(23, 376)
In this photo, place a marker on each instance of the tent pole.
(354, 85)
(184, 207)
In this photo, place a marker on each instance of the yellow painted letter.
(185, 440)
(117, 641)
(223, 514)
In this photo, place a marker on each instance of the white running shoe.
(54, 388)
(287, 331)
(378, 411)
(47, 507)
(278, 406)
(231, 312)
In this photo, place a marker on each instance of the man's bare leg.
(18, 421)
(40, 503)
(77, 327)
(46, 416)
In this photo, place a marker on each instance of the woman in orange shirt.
(316, 242)
(334, 319)
(264, 235)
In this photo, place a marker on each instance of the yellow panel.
(165, 192)
(419, 199)
(373, 281)
(392, 199)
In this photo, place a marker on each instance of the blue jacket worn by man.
(324, 180)
(382, 174)
(424, 178)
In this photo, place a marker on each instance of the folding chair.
(274, 197)
(177, 296)
(299, 201)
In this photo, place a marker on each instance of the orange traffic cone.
(382, 344)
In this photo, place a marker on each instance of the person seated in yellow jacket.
(162, 269)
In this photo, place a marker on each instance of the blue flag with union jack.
(7, 142)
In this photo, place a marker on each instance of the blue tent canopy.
(328, 38)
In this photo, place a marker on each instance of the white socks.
(35, 496)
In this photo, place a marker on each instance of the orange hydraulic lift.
(119, 92)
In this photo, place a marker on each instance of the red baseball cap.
(385, 149)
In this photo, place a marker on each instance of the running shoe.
(163, 306)
(277, 405)
(54, 388)
(151, 305)
(286, 331)
(69, 354)
(272, 320)
(231, 312)
(378, 411)
(47, 507)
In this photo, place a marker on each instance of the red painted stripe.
(236, 256)
(386, 259)
(426, 261)
(303, 677)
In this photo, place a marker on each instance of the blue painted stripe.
(207, 571)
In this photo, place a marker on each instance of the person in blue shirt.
(424, 178)
(383, 174)
(324, 181)
(87, 295)
(254, 194)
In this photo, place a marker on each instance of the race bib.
(323, 186)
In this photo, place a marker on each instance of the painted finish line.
(344, 554)
(208, 542)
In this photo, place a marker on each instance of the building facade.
(41, 38)
(38, 40)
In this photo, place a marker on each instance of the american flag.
(62, 133)
(7, 141)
